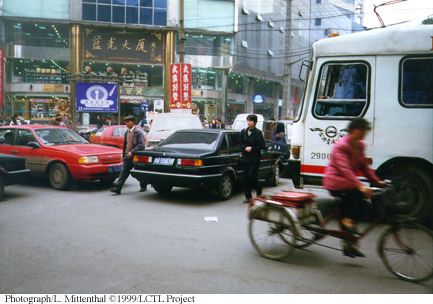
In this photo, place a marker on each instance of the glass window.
(89, 1)
(89, 12)
(234, 142)
(132, 15)
(190, 140)
(160, 17)
(146, 16)
(119, 14)
(24, 137)
(416, 82)
(146, 3)
(119, 2)
(342, 90)
(6, 136)
(161, 3)
(104, 13)
(104, 1)
(120, 131)
(132, 2)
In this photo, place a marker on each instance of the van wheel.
(274, 177)
(162, 189)
(59, 176)
(414, 186)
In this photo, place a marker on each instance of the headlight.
(88, 159)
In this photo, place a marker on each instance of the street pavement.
(91, 241)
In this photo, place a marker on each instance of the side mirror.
(34, 144)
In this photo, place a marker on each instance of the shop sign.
(123, 45)
(1, 77)
(259, 98)
(180, 86)
(158, 104)
(96, 97)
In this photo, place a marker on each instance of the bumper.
(175, 179)
(15, 176)
(96, 171)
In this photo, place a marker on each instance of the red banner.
(1, 77)
(180, 86)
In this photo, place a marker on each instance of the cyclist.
(347, 158)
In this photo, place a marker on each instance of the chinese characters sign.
(180, 86)
(1, 77)
(125, 46)
(96, 97)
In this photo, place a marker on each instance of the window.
(343, 90)
(234, 142)
(318, 22)
(6, 136)
(149, 12)
(24, 137)
(224, 148)
(416, 82)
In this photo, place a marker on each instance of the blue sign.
(145, 107)
(96, 97)
(259, 98)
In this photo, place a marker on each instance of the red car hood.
(86, 149)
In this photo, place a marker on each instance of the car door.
(7, 137)
(21, 148)
(235, 152)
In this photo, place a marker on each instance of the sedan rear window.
(191, 140)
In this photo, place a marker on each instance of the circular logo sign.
(331, 131)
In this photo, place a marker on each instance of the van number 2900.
(318, 155)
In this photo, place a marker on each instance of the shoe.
(352, 252)
(352, 230)
(115, 190)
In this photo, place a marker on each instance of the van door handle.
(14, 151)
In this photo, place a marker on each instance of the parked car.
(110, 136)
(12, 170)
(165, 124)
(60, 154)
(240, 121)
(204, 158)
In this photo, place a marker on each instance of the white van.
(240, 121)
(385, 76)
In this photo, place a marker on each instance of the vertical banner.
(180, 86)
(1, 77)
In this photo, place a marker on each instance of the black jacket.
(255, 141)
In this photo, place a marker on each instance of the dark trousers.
(250, 180)
(127, 166)
(352, 201)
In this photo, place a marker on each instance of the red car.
(110, 136)
(60, 154)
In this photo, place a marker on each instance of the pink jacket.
(345, 164)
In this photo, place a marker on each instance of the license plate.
(163, 161)
(114, 169)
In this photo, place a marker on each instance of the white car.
(165, 124)
(240, 121)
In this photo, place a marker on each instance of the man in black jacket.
(133, 141)
(251, 142)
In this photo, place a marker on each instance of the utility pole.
(181, 32)
(287, 108)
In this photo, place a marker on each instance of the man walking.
(133, 141)
(251, 142)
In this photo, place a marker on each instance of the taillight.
(190, 162)
(296, 152)
(142, 159)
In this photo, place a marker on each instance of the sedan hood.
(86, 149)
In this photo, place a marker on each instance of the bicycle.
(282, 222)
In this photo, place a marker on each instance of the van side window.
(343, 90)
(416, 83)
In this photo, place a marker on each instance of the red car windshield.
(51, 137)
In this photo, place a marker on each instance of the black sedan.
(201, 158)
(12, 170)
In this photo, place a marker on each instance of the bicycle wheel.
(266, 227)
(307, 237)
(407, 251)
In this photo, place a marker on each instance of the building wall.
(211, 15)
(49, 9)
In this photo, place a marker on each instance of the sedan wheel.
(2, 186)
(274, 178)
(59, 176)
(225, 187)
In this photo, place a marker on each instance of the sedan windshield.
(190, 140)
(51, 137)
